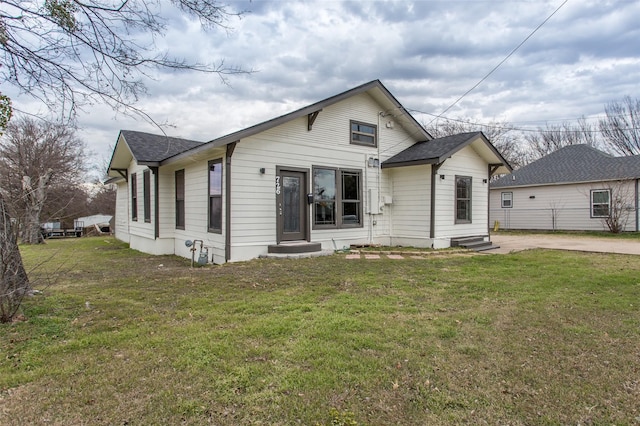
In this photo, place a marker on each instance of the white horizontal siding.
(560, 207)
(465, 162)
(140, 228)
(123, 214)
(253, 198)
(292, 145)
(410, 209)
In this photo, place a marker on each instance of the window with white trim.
(600, 203)
(506, 200)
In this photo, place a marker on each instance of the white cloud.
(428, 53)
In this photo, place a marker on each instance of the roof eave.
(120, 140)
(581, 182)
(412, 163)
(149, 163)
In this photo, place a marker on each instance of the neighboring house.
(574, 188)
(96, 219)
(95, 224)
(355, 168)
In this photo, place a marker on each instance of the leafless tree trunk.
(35, 198)
(14, 283)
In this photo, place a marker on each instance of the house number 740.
(277, 185)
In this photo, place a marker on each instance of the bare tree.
(621, 128)
(555, 136)
(103, 201)
(35, 158)
(501, 135)
(620, 206)
(68, 53)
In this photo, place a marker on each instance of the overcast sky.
(427, 53)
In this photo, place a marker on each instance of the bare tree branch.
(71, 53)
(621, 128)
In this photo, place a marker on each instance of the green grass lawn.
(121, 337)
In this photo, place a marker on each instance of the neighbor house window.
(146, 184)
(600, 203)
(363, 134)
(507, 200)
(463, 199)
(337, 198)
(180, 199)
(215, 195)
(134, 196)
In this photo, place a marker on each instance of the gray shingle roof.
(147, 147)
(434, 151)
(572, 164)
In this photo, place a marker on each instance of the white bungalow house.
(574, 188)
(355, 168)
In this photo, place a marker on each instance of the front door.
(291, 205)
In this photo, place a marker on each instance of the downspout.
(432, 221)
(227, 202)
(489, 173)
(156, 203)
(637, 205)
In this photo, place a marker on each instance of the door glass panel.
(291, 203)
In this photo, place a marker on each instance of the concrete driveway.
(510, 243)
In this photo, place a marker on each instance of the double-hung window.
(146, 184)
(337, 198)
(134, 196)
(506, 200)
(179, 179)
(463, 199)
(215, 195)
(364, 134)
(600, 202)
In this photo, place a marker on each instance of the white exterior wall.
(121, 229)
(253, 196)
(465, 162)
(410, 210)
(196, 177)
(401, 217)
(559, 207)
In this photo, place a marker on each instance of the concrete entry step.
(294, 247)
(476, 243)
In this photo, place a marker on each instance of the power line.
(521, 129)
(501, 62)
